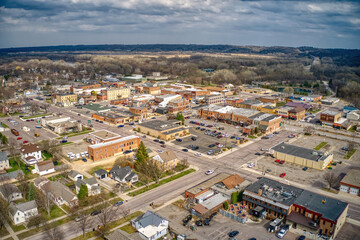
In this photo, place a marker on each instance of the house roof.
(130, 176)
(45, 165)
(59, 190)
(23, 206)
(232, 181)
(120, 172)
(89, 181)
(11, 175)
(297, 110)
(307, 153)
(149, 218)
(352, 177)
(167, 156)
(3, 157)
(73, 173)
(200, 209)
(116, 235)
(214, 201)
(29, 148)
(208, 183)
(100, 172)
(8, 188)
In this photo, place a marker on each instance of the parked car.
(19, 138)
(302, 237)
(127, 151)
(24, 142)
(197, 154)
(120, 126)
(79, 218)
(163, 145)
(211, 145)
(277, 160)
(63, 141)
(276, 132)
(210, 152)
(258, 153)
(207, 222)
(199, 223)
(195, 148)
(212, 215)
(185, 150)
(156, 140)
(282, 175)
(153, 118)
(84, 160)
(197, 128)
(208, 172)
(233, 233)
(78, 155)
(283, 231)
(305, 168)
(345, 148)
(131, 123)
(193, 138)
(291, 136)
(282, 162)
(232, 137)
(161, 142)
(220, 146)
(96, 212)
(251, 165)
(268, 170)
(179, 140)
(118, 203)
(219, 136)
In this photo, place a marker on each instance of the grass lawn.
(161, 182)
(279, 104)
(116, 200)
(128, 228)
(47, 155)
(88, 235)
(9, 238)
(320, 146)
(4, 125)
(17, 228)
(75, 134)
(3, 232)
(124, 220)
(314, 111)
(352, 129)
(37, 115)
(54, 213)
(96, 168)
(350, 153)
(252, 137)
(15, 166)
(62, 144)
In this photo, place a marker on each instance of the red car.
(277, 160)
(28, 120)
(219, 136)
(217, 143)
(282, 162)
(282, 175)
(19, 138)
(25, 142)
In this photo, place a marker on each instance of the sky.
(324, 24)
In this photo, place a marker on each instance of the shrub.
(83, 192)
(226, 205)
(234, 197)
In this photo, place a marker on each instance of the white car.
(251, 165)
(82, 154)
(78, 155)
(197, 154)
(282, 232)
(220, 146)
(264, 149)
(208, 172)
(160, 151)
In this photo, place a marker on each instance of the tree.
(36, 221)
(309, 130)
(288, 91)
(43, 200)
(46, 106)
(107, 215)
(330, 179)
(52, 231)
(141, 154)
(234, 197)
(7, 189)
(256, 130)
(226, 205)
(83, 192)
(351, 146)
(180, 117)
(34, 108)
(32, 192)
(4, 139)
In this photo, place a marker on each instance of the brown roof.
(45, 165)
(200, 209)
(232, 181)
(297, 109)
(168, 156)
(29, 148)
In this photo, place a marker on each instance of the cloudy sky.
(326, 24)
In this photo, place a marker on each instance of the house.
(30, 153)
(351, 183)
(45, 167)
(10, 192)
(57, 192)
(4, 161)
(167, 160)
(11, 175)
(75, 175)
(101, 174)
(91, 184)
(123, 175)
(21, 212)
(150, 226)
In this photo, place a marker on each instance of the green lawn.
(124, 220)
(62, 144)
(252, 137)
(74, 134)
(4, 125)
(314, 111)
(113, 201)
(54, 213)
(352, 129)
(17, 228)
(47, 155)
(95, 169)
(15, 166)
(37, 115)
(279, 104)
(88, 235)
(350, 153)
(161, 182)
(320, 146)
(128, 228)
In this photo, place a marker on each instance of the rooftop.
(208, 183)
(104, 135)
(352, 177)
(119, 140)
(214, 201)
(301, 152)
(330, 112)
(159, 125)
(96, 107)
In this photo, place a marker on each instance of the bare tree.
(351, 146)
(34, 108)
(151, 169)
(53, 232)
(330, 179)
(309, 130)
(14, 150)
(46, 106)
(107, 215)
(44, 200)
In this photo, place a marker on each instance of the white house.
(75, 175)
(91, 184)
(21, 212)
(45, 167)
(30, 153)
(4, 161)
(150, 226)
(10, 192)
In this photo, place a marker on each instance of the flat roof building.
(351, 183)
(166, 130)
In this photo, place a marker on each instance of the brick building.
(330, 117)
(215, 99)
(178, 105)
(297, 113)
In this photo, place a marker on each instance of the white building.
(150, 226)
(21, 212)
(92, 185)
(30, 153)
(45, 167)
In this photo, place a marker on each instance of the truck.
(15, 132)
(36, 135)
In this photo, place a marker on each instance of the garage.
(344, 188)
(354, 191)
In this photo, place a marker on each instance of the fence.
(232, 216)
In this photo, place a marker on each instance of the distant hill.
(350, 57)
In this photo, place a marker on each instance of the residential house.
(4, 161)
(10, 192)
(150, 226)
(91, 184)
(75, 175)
(45, 167)
(20, 213)
(30, 153)
(123, 175)
(101, 174)
(167, 160)
(57, 192)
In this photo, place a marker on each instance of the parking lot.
(219, 227)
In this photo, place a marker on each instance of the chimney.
(260, 191)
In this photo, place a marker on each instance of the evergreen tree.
(141, 155)
(256, 130)
(31, 192)
(83, 192)
(180, 117)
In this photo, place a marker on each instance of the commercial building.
(232, 101)
(329, 101)
(299, 104)
(215, 99)
(96, 108)
(269, 109)
(303, 210)
(297, 113)
(350, 184)
(110, 148)
(178, 105)
(302, 156)
(251, 104)
(166, 130)
(266, 122)
(329, 117)
(65, 100)
(269, 99)
(116, 93)
(61, 125)
(122, 116)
